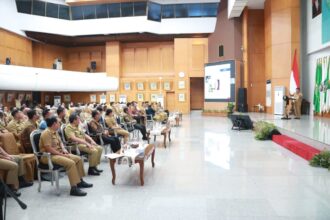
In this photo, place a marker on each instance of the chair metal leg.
(52, 179)
(56, 174)
(39, 181)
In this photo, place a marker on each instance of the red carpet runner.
(305, 151)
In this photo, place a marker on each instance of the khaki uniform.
(111, 123)
(25, 135)
(297, 104)
(94, 155)
(73, 165)
(14, 169)
(16, 127)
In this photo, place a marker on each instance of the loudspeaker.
(221, 52)
(242, 108)
(54, 66)
(93, 65)
(8, 61)
(242, 96)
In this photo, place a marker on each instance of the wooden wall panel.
(113, 59)
(154, 59)
(18, 48)
(45, 54)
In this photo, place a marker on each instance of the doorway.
(196, 93)
(170, 101)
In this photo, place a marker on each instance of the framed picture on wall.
(57, 101)
(10, 97)
(153, 86)
(47, 98)
(20, 96)
(103, 99)
(140, 97)
(28, 96)
(140, 86)
(67, 98)
(112, 97)
(127, 86)
(123, 98)
(167, 86)
(93, 98)
(2, 95)
(181, 84)
(181, 97)
(153, 97)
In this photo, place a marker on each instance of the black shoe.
(83, 184)
(97, 170)
(15, 192)
(297, 118)
(23, 184)
(75, 191)
(93, 172)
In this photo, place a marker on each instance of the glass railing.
(154, 11)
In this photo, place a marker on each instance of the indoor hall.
(158, 109)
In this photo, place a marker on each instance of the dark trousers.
(142, 129)
(113, 141)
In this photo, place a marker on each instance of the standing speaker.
(8, 61)
(242, 96)
(242, 100)
(221, 52)
(93, 65)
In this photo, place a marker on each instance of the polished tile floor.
(207, 172)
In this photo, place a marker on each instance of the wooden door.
(170, 101)
(196, 93)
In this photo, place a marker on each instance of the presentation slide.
(218, 82)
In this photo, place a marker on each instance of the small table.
(136, 155)
(164, 131)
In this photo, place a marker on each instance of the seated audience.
(30, 126)
(14, 166)
(46, 113)
(85, 144)
(16, 125)
(96, 128)
(50, 142)
(129, 119)
(111, 122)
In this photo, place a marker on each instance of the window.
(154, 11)
(126, 9)
(194, 10)
(89, 12)
(140, 8)
(101, 11)
(64, 12)
(168, 11)
(77, 13)
(181, 11)
(38, 8)
(210, 10)
(114, 10)
(51, 10)
(24, 6)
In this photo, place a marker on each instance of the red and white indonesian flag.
(294, 78)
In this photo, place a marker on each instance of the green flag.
(318, 79)
(326, 85)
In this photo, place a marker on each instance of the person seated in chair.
(14, 166)
(96, 128)
(61, 114)
(111, 122)
(46, 113)
(30, 126)
(85, 144)
(128, 118)
(16, 125)
(51, 142)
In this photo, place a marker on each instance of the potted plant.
(230, 108)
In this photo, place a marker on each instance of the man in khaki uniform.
(50, 142)
(128, 118)
(85, 144)
(14, 166)
(16, 125)
(297, 97)
(30, 126)
(110, 121)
